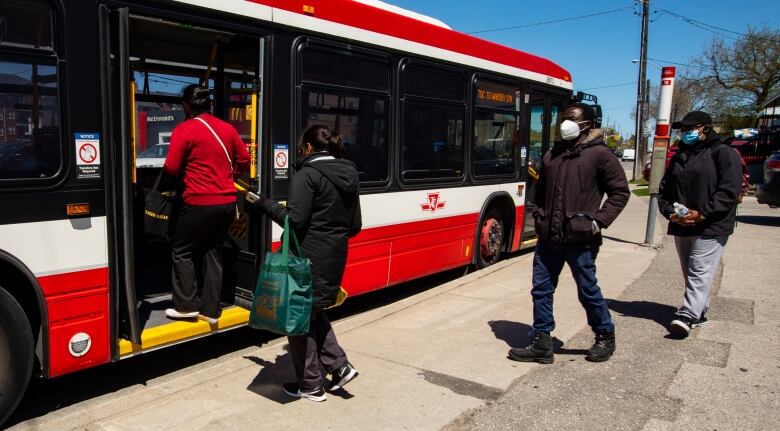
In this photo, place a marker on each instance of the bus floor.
(153, 283)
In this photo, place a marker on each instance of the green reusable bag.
(283, 295)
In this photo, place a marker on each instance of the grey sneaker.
(342, 376)
(210, 320)
(293, 390)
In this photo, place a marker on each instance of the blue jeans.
(548, 263)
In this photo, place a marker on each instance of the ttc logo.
(433, 203)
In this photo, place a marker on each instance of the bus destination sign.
(495, 95)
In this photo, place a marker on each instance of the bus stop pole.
(660, 144)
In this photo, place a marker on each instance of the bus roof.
(382, 24)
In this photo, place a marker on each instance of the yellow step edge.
(181, 330)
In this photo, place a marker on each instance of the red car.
(670, 152)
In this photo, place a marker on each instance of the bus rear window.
(29, 116)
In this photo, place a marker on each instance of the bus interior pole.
(640, 90)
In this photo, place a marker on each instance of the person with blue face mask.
(705, 177)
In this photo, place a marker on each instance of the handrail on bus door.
(126, 184)
(133, 130)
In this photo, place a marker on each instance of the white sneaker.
(175, 314)
(211, 320)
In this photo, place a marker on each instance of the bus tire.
(16, 354)
(490, 243)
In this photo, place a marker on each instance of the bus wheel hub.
(490, 240)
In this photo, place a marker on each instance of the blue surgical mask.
(690, 137)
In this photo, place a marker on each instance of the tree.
(747, 69)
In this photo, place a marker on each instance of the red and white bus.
(446, 130)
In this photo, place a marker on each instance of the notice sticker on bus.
(281, 161)
(88, 156)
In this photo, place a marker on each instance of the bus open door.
(150, 76)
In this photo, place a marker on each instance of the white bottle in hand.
(680, 209)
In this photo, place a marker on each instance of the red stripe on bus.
(77, 302)
(388, 255)
(370, 18)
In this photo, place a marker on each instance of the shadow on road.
(659, 313)
(759, 220)
(268, 382)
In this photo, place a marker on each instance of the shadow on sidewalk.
(612, 238)
(759, 220)
(515, 335)
(268, 382)
(659, 313)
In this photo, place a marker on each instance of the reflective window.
(555, 130)
(432, 141)
(494, 149)
(344, 69)
(26, 23)
(433, 83)
(536, 131)
(362, 122)
(30, 146)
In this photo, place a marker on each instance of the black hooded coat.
(324, 210)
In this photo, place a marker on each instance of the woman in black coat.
(323, 207)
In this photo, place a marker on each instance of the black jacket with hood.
(706, 177)
(572, 183)
(324, 209)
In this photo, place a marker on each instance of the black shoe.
(540, 350)
(681, 326)
(293, 390)
(700, 321)
(342, 376)
(603, 348)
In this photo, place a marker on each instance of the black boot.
(603, 348)
(540, 350)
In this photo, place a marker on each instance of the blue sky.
(598, 50)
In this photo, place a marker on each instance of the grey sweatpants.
(315, 350)
(699, 259)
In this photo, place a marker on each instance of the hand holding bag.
(283, 295)
(158, 207)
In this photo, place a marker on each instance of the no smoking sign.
(87, 155)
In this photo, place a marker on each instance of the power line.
(609, 86)
(710, 27)
(552, 22)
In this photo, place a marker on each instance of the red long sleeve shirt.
(196, 156)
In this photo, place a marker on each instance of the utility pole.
(640, 99)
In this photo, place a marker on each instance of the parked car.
(769, 192)
(628, 154)
(153, 157)
(670, 152)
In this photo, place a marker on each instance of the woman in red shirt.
(205, 153)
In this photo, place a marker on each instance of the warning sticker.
(281, 161)
(87, 156)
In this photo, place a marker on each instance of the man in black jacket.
(705, 177)
(569, 217)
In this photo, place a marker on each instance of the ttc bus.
(447, 131)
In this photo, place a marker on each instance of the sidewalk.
(424, 361)
(725, 376)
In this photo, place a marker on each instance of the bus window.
(494, 151)
(29, 148)
(361, 121)
(432, 141)
(359, 110)
(26, 24)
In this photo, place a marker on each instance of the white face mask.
(570, 130)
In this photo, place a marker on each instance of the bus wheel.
(491, 239)
(16, 354)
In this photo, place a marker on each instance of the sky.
(598, 50)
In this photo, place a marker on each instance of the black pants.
(316, 348)
(198, 234)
